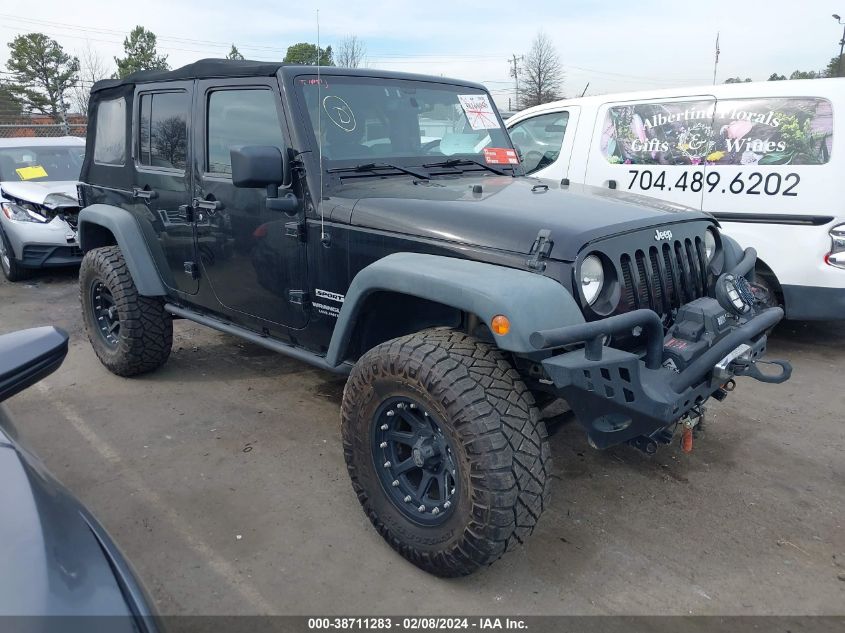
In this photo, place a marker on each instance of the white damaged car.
(39, 205)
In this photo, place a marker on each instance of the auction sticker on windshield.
(30, 173)
(479, 112)
(500, 156)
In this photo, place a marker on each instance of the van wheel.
(445, 449)
(11, 269)
(131, 334)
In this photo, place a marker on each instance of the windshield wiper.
(377, 167)
(455, 162)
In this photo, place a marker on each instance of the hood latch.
(540, 250)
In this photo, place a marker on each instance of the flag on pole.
(716, 62)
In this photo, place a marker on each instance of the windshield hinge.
(296, 230)
(540, 250)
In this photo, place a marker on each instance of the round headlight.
(592, 278)
(709, 244)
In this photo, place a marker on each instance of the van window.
(110, 138)
(539, 139)
(772, 131)
(671, 133)
(239, 117)
(163, 129)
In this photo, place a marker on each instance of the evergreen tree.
(141, 54)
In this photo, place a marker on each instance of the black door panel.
(162, 181)
(253, 266)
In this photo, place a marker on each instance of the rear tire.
(12, 270)
(485, 425)
(130, 333)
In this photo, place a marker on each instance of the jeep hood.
(37, 192)
(508, 212)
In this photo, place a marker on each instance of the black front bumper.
(620, 396)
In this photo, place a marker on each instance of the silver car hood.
(37, 192)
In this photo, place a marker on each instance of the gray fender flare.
(130, 239)
(531, 301)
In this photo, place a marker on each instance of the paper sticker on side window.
(479, 112)
(31, 173)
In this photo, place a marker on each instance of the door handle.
(145, 194)
(208, 205)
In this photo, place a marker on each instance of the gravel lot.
(222, 478)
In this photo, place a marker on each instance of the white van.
(761, 157)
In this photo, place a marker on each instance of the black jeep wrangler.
(379, 224)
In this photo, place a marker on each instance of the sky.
(612, 46)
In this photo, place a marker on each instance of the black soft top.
(202, 69)
(213, 68)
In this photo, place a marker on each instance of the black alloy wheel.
(414, 461)
(105, 313)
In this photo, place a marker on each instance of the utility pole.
(841, 44)
(514, 61)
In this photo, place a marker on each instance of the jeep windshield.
(371, 124)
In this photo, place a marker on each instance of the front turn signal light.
(500, 325)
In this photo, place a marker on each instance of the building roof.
(32, 141)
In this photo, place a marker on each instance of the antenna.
(320, 133)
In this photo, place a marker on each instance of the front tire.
(130, 333)
(443, 407)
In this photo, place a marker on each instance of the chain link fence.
(42, 127)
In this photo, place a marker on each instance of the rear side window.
(110, 138)
(237, 118)
(163, 130)
(772, 131)
(670, 133)
(539, 139)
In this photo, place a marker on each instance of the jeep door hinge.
(296, 230)
(540, 250)
(299, 297)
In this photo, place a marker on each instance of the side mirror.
(259, 166)
(265, 166)
(28, 356)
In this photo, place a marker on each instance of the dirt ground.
(221, 476)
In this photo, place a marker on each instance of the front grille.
(664, 276)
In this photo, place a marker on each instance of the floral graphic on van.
(769, 131)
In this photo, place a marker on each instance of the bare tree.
(351, 52)
(541, 75)
(92, 68)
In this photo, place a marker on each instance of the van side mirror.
(28, 356)
(267, 166)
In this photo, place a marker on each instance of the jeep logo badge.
(662, 235)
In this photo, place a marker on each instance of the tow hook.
(692, 421)
(746, 367)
